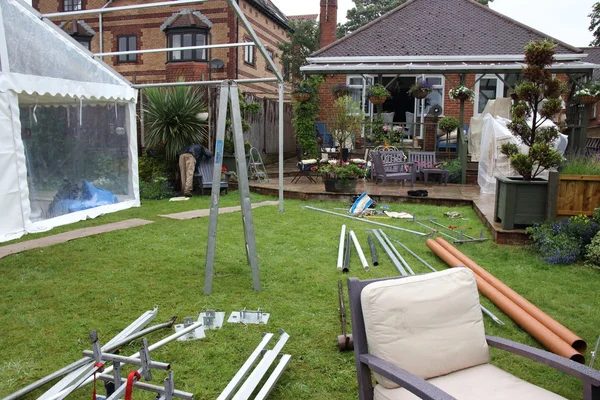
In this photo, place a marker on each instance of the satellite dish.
(216, 63)
(435, 110)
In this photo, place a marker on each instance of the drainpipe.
(100, 28)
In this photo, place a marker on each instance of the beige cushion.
(310, 161)
(476, 383)
(429, 325)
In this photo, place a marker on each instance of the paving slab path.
(71, 235)
(222, 210)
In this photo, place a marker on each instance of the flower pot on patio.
(520, 202)
(340, 185)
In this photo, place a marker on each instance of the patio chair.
(390, 165)
(422, 160)
(422, 336)
(204, 175)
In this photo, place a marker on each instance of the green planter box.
(230, 164)
(520, 202)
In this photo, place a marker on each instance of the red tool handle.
(129, 387)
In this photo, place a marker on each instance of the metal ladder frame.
(256, 166)
(229, 93)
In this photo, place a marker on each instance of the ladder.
(229, 93)
(256, 167)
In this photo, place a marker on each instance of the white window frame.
(365, 105)
(499, 90)
(417, 110)
(249, 53)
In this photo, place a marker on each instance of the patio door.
(491, 87)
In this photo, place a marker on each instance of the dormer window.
(187, 28)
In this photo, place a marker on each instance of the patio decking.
(450, 195)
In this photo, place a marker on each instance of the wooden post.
(461, 143)
(552, 198)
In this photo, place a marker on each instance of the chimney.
(328, 22)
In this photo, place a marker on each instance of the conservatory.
(68, 136)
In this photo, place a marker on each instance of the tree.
(365, 11)
(595, 24)
(302, 42)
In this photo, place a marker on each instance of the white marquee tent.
(68, 141)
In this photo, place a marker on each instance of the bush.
(564, 242)
(157, 189)
(592, 255)
(454, 170)
(448, 124)
(581, 166)
(150, 168)
(596, 216)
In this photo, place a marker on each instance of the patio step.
(472, 170)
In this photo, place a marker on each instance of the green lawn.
(52, 297)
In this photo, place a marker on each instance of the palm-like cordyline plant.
(171, 118)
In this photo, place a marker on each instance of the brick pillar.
(328, 22)
(430, 133)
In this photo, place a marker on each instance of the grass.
(582, 166)
(52, 297)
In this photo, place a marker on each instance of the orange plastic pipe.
(536, 329)
(572, 339)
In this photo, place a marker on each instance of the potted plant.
(522, 200)
(461, 92)
(345, 123)
(378, 94)
(302, 92)
(448, 125)
(420, 90)
(588, 94)
(340, 90)
(340, 176)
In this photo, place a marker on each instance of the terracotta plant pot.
(377, 99)
(300, 96)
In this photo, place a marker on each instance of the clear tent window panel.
(77, 158)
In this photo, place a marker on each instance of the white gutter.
(375, 68)
(421, 59)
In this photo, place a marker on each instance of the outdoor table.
(442, 173)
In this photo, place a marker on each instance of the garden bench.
(204, 175)
(423, 160)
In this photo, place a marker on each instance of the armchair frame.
(365, 362)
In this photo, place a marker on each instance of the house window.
(436, 97)
(71, 5)
(271, 56)
(490, 87)
(357, 86)
(187, 39)
(127, 43)
(249, 53)
(85, 43)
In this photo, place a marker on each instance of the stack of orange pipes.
(554, 336)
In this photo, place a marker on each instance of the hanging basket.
(587, 100)
(461, 97)
(300, 97)
(377, 99)
(420, 94)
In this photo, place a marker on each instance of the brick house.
(443, 42)
(212, 22)
(594, 57)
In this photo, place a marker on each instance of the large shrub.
(564, 242)
(592, 255)
(171, 118)
(305, 116)
(156, 177)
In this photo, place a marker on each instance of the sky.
(565, 20)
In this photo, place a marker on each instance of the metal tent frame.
(255, 41)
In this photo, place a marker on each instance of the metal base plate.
(249, 317)
(215, 323)
(197, 333)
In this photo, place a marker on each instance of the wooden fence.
(578, 194)
(264, 134)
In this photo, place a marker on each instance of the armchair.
(423, 337)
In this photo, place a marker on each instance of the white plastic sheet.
(496, 108)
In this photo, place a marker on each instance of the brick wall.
(153, 67)
(328, 22)
(326, 98)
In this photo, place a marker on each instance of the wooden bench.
(204, 175)
(423, 160)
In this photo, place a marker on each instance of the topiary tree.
(448, 124)
(538, 100)
(171, 119)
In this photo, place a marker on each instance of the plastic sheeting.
(64, 119)
(496, 108)
(492, 162)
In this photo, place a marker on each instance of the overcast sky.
(565, 20)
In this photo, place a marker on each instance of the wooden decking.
(437, 194)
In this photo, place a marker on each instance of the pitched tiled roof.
(273, 12)
(593, 57)
(439, 27)
(186, 18)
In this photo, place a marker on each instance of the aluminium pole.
(281, 122)
(361, 254)
(373, 250)
(396, 253)
(340, 260)
(389, 253)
